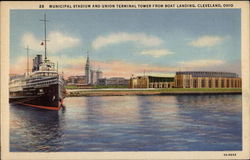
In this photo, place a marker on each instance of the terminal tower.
(87, 71)
(91, 75)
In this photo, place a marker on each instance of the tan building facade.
(114, 81)
(74, 80)
(189, 79)
(151, 82)
(195, 79)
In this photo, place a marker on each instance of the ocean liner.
(42, 88)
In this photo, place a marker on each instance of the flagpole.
(45, 38)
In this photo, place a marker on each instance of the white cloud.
(57, 41)
(156, 53)
(29, 40)
(202, 63)
(64, 61)
(67, 61)
(120, 37)
(207, 41)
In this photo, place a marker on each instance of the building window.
(216, 83)
(187, 85)
(194, 83)
(178, 83)
(203, 83)
(222, 83)
(210, 83)
(233, 83)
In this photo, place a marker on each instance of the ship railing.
(43, 83)
(35, 80)
(43, 75)
(15, 88)
(39, 85)
(44, 80)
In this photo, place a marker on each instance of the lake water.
(131, 123)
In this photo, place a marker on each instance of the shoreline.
(89, 93)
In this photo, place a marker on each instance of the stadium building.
(151, 82)
(204, 79)
(189, 79)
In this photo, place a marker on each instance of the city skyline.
(126, 42)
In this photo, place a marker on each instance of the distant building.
(205, 79)
(119, 81)
(189, 79)
(99, 74)
(113, 81)
(151, 82)
(93, 77)
(76, 80)
(102, 82)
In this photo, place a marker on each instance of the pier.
(145, 92)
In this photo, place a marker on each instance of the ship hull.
(46, 97)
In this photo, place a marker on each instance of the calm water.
(131, 123)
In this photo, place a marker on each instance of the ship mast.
(45, 38)
(27, 59)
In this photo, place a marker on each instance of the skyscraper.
(87, 71)
(99, 74)
(91, 74)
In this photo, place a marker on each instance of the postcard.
(125, 80)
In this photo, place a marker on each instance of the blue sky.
(125, 42)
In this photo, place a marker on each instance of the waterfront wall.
(148, 92)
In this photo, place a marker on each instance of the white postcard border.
(5, 24)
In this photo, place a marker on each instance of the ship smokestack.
(36, 62)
